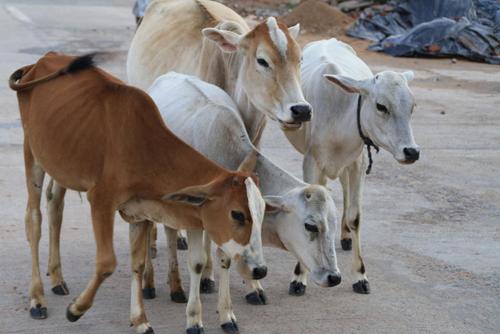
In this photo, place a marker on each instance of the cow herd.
(179, 146)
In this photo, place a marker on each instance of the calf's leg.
(196, 261)
(207, 277)
(257, 296)
(102, 222)
(33, 222)
(227, 318)
(55, 207)
(148, 283)
(138, 236)
(177, 294)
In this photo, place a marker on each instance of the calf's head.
(231, 210)
(305, 220)
(269, 72)
(388, 105)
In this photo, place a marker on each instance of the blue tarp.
(436, 28)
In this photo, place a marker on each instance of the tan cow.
(91, 132)
(258, 68)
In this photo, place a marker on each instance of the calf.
(352, 107)
(90, 132)
(301, 218)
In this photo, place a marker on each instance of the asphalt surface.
(431, 231)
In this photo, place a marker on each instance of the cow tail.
(78, 64)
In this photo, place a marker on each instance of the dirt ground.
(431, 231)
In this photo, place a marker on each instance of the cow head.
(232, 210)
(269, 73)
(305, 220)
(388, 105)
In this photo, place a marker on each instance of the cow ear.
(275, 204)
(249, 163)
(294, 30)
(226, 40)
(348, 84)
(409, 75)
(195, 195)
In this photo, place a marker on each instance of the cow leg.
(102, 222)
(148, 283)
(207, 277)
(227, 318)
(182, 243)
(299, 281)
(345, 232)
(353, 219)
(33, 224)
(55, 207)
(314, 175)
(257, 296)
(177, 294)
(138, 237)
(152, 242)
(196, 260)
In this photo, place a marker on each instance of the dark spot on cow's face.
(198, 268)
(297, 270)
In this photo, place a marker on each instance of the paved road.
(430, 234)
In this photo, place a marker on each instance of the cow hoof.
(39, 312)
(178, 297)
(297, 289)
(362, 287)
(154, 252)
(70, 316)
(207, 286)
(195, 330)
(256, 298)
(149, 293)
(182, 243)
(230, 327)
(346, 244)
(61, 289)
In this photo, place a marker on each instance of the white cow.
(259, 68)
(334, 81)
(302, 218)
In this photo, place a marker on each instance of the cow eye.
(262, 62)
(382, 108)
(238, 216)
(311, 228)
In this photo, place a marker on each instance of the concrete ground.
(431, 236)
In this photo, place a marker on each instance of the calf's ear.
(348, 84)
(249, 163)
(194, 195)
(294, 30)
(275, 204)
(226, 40)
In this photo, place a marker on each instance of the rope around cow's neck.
(367, 141)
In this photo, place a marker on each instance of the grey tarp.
(438, 28)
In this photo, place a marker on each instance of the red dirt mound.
(315, 16)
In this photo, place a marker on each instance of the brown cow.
(93, 133)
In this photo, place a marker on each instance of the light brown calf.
(91, 132)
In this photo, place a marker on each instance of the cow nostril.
(334, 280)
(301, 112)
(259, 272)
(411, 153)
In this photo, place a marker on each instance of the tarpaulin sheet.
(437, 28)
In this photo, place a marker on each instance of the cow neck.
(254, 119)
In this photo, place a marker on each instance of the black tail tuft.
(81, 63)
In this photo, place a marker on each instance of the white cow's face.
(270, 70)
(388, 105)
(306, 220)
